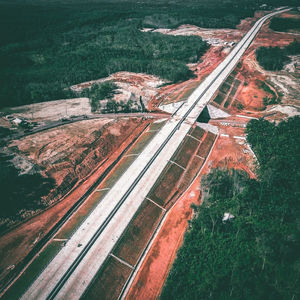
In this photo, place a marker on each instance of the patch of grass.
(80, 215)
(142, 142)
(219, 98)
(185, 151)
(35, 268)
(161, 191)
(136, 235)
(206, 144)
(118, 171)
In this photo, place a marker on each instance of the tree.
(100, 92)
(256, 254)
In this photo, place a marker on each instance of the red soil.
(154, 270)
(251, 96)
(16, 244)
(209, 61)
(291, 15)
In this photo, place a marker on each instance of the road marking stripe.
(156, 204)
(104, 189)
(122, 261)
(173, 162)
(199, 156)
(194, 138)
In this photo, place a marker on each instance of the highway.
(68, 275)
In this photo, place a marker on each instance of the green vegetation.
(98, 92)
(45, 47)
(271, 58)
(255, 255)
(268, 100)
(4, 132)
(20, 192)
(284, 24)
(274, 58)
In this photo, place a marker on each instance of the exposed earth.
(78, 153)
(230, 150)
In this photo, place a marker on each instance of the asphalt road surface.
(68, 275)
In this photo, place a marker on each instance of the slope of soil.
(68, 154)
(17, 243)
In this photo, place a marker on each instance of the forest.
(274, 58)
(20, 193)
(254, 254)
(45, 47)
(282, 24)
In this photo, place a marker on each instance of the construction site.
(88, 157)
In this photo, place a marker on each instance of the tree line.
(274, 58)
(255, 253)
(47, 47)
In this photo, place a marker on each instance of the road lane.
(170, 136)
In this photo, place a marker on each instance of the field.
(206, 144)
(197, 132)
(157, 125)
(109, 281)
(191, 172)
(161, 191)
(138, 232)
(219, 98)
(185, 151)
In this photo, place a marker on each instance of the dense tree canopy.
(255, 255)
(284, 24)
(20, 192)
(45, 47)
(274, 58)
